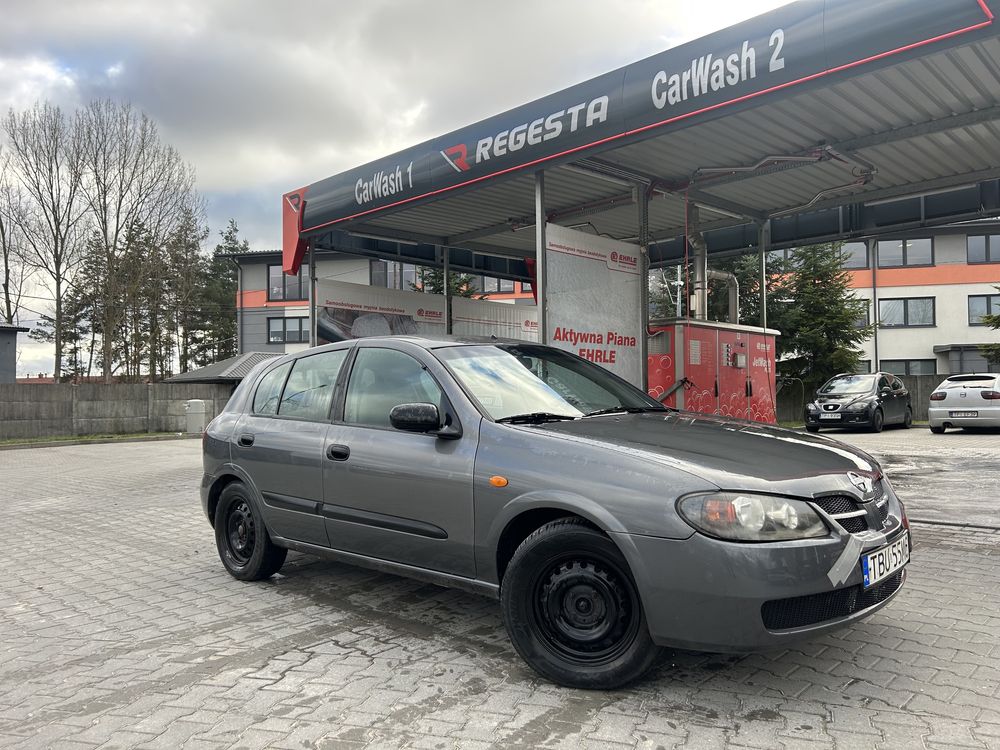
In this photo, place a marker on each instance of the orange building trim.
(258, 298)
(986, 273)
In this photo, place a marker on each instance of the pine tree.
(813, 306)
(213, 324)
(431, 281)
(992, 351)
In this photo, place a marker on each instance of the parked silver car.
(605, 523)
(965, 401)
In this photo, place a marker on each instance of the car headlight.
(811, 406)
(858, 406)
(746, 517)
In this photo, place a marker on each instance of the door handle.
(246, 439)
(338, 452)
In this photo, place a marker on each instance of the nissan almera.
(606, 524)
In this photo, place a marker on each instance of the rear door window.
(265, 400)
(309, 390)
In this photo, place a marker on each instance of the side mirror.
(886, 391)
(819, 392)
(415, 417)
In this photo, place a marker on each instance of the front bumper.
(704, 594)
(847, 418)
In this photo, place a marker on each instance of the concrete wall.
(790, 403)
(38, 411)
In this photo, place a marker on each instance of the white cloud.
(262, 97)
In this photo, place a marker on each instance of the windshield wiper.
(535, 417)
(625, 410)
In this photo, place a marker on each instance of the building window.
(526, 287)
(910, 366)
(983, 248)
(491, 284)
(854, 255)
(392, 275)
(982, 304)
(864, 367)
(287, 330)
(281, 286)
(379, 273)
(506, 286)
(908, 312)
(863, 321)
(897, 253)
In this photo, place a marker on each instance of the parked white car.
(965, 401)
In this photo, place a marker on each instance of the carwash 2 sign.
(798, 44)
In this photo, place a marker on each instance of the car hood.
(730, 453)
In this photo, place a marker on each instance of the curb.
(99, 441)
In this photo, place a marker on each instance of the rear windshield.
(970, 381)
(849, 384)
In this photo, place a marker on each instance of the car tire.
(938, 430)
(878, 421)
(908, 418)
(241, 537)
(572, 609)
(812, 428)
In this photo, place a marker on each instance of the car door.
(281, 439)
(900, 398)
(394, 495)
(885, 399)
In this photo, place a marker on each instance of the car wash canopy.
(788, 117)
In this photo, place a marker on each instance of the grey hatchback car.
(605, 523)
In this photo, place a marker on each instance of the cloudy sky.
(264, 96)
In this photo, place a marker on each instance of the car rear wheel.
(939, 430)
(908, 418)
(572, 609)
(242, 539)
(877, 421)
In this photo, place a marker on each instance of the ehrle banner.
(350, 311)
(594, 299)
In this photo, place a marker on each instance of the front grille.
(800, 611)
(846, 511)
(883, 510)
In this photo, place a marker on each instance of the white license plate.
(885, 561)
(963, 414)
(829, 416)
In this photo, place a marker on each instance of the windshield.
(514, 379)
(849, 384)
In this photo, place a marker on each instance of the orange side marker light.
(498, 481)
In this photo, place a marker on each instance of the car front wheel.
(937, 430)
(877, 421)
(242, 539)
(572, 609)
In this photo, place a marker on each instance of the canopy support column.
(642, 200)
(445, 255)
(313, 337)
(764, 242)
(541, 271)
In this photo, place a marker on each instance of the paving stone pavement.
(119, 628)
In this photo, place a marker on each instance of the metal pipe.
(447, 287)
(697, 241)
(642, 197)
(313, 336)
(734, 291)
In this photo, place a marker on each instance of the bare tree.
(134, 186)
(45, 157)
(14, 271)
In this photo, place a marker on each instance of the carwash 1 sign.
(801, 43)
(593, 299)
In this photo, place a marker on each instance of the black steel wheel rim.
(241, 532)
(585, 609)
